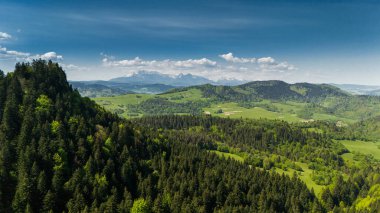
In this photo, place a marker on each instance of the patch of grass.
(316, 130)
(367, 148)
(322, 116)
(349, 159)
(233, 110)
(228, 155)
(305, 176)
(299, 90)
(116, 103)
(290, 111)
(184, 96)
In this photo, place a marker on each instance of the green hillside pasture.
(228, 155)
(367, 148)
(184, 96)
(282, 110)
(329, 117)
(305, 176)
(117, 103)
(233, 110)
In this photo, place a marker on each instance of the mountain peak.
(181, 80)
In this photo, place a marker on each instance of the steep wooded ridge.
(273, 90)
(61, 152)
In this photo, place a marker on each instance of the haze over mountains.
(180, 80)
(360, 89)
(152, 82)
(149, 82)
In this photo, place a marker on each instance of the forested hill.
(61, 152)
(273, 90)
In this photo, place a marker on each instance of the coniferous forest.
(60, 152)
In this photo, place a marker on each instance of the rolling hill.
(63, 153)
(359, 89)
(146, 82)
(272, 90)
(151, 77)
(107, 88)
(261, 99)
(181, 80)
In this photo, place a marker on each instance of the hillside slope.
(151, 77)
(107, 88)
(273, 90)
(61, 152)
(261, 99)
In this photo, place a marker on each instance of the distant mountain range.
(272, 90)
(152, 82)
(181, 80)
(360, 89)
(108, 88)
(144, 82)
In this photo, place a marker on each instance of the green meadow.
(363, 147)
(282, 110)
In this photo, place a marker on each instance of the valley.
(220, 106)
(315, 113)
(339, 107)
(316, 143)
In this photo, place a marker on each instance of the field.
(282, 110)
(363, 147)
(119, 104)
(228, 155)
(290, 111)
(232, 110)
(305, 176)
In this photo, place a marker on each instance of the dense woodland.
(60, 152)
(273, 90)
(271, 144)
(161, 106)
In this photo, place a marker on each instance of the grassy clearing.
(305, 176)
(228, 155)
(349, 159)
(233, 110)
(367, 148)
(119, 104)
(284, 110)
(184, 96)
(123, 99)
(321, 116)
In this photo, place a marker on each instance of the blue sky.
(313, 41)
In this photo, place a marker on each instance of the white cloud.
(5, 36)
(267, 64)
(238, 68)
(69, 66)
(24, 56)
(266, 60)
(231, 58)
(158, 64)
(49, 56)
(12, 54)
(194, 62)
